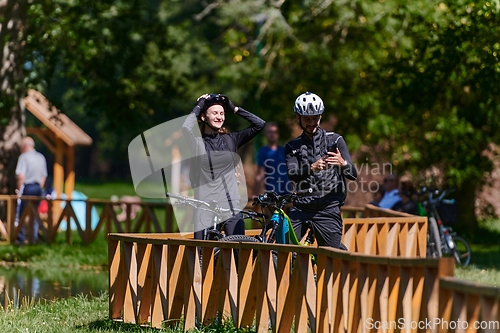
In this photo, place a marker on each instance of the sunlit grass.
(79, 314)
(484, 267)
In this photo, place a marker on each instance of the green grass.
(59, 254)
(100, 190)
(484, 267)
(78, 314)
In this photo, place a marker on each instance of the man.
(311, 165)
(31, 172)
(271, 164)
(391, 196)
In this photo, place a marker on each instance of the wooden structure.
(60, 136)
(157, 279)
(392, 236)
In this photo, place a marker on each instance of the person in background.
(271, 164)
(378, 191)
(31, 173)
(406, 205)
(391, 196)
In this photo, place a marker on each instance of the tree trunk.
(466, 198)
(12, 29)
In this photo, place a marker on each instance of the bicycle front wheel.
(462, 254)
(434, 241)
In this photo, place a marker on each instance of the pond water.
(41, 283)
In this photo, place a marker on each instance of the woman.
(212, 171)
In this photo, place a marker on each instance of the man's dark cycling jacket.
(328, 185)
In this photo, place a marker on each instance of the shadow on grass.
(485, 256)
(111, 325)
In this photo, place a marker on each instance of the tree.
(415, 77)
(12, 29)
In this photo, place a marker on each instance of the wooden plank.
(102, 220)
(392, 240)
(159, 309)
(362, 299)
(116, 277)
(112, 216)
(392, 305)
(283, 270)
(431, 295)
(445, 306)
(287, 315)
(193, 286)
(228, 295)
(72, 214)
(88, 223)
(247, 285)
(405, 298)
(373, 305)
(41, 135)
(422, 239)
(56, 121)
(490, 314)
(418, 294)
(58, 172)
(209, 296)
(324, 281)
(176, 280)
(354, 295)
(473, 308)
(153, 218)
(130, 303)
(69, 183)
(144, 281)
(383, 295)
(11, 218)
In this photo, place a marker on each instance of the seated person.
(378, 191)
(391, 196)
(406, 205)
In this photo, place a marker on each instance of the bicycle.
(214, 232)
(442, 240)
(281, 228)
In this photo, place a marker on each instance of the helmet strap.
(303, 128)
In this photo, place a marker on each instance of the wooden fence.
(468, 307)
(133, 219)
(119, 216)
(160, 280)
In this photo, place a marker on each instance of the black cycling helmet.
(214, 99)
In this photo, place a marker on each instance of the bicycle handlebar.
(435, 192)
(272, 198)
(195, 203)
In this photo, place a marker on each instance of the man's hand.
(319, 164)
(334, 159)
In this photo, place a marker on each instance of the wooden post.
(69, 184)
(58, 179)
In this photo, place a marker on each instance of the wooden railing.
(119, 216)
(468, 307)
(159, 281)
(387, 236)
(145, 219)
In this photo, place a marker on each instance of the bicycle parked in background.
(442, 241)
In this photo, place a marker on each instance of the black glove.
(201, 102)
(228, 105)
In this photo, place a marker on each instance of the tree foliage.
(417, 77)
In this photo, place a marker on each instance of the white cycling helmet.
(309, 104)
